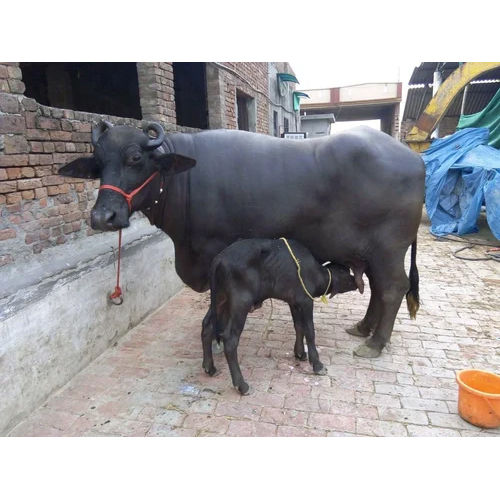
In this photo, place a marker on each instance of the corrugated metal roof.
(478, 94)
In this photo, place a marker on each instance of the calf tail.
(412, 296)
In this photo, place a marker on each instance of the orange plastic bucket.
(479, 397)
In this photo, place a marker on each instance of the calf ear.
(173, 163)
(84, 168)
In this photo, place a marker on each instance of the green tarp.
(489, 117)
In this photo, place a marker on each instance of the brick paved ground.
(151, 383)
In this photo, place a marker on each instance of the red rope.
(117, 294)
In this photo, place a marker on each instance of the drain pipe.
(436, 83)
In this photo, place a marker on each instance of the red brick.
(48, 123)
(34, 134)
(8, 186)
(52, 180)
(331, 422)
(43, 171)
(14, 72)
(29, 104)
(9, 103)
(60, 135)
(13, 160)
(28, 172)
(28, 184)
(48, 147)
(30, 119)
(40, 192)
(14, 198)
(7, 234)
(31, 238)
(3, 174)
(3, 199)
(14, 173)
(28, 195)
(247, 428)
(11, 124)
(15, 144)
(64, 189)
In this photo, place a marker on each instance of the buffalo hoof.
(354, 330)
(321, 371)
(364, 351)
(243, 389)
(301, 357)
(210, 370)
(217, 347)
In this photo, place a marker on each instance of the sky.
(315, 74)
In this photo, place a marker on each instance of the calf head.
(124, 159)
(342, 280)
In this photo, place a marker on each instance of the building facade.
(55, 271)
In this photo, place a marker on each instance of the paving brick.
(424, 404)
(427, 431)
(383, 400)
(330, 422)
(248, 428)
(289, 431)
(403, 415)
(380, 428)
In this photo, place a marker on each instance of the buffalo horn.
(158, 130)
(99, 129)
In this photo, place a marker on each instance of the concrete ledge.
(56, 316)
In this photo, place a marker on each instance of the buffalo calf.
(250, 271)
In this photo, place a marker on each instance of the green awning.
(287, 77)
(296, 99)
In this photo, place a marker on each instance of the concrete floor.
(151, 382)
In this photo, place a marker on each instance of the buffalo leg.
(231, 338)
(298, 348)
(302, 315)
(207, 335)
(390, 283)
(368, 324)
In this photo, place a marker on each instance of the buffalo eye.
(134, 157)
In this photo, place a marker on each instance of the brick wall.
(38, 208)
(251, 78)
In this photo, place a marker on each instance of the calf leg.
(231, 338)
(298, 348)
(390, 283)
(207, 336)
(302, 314)
(368, 324)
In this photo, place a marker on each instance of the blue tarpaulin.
(462, 174)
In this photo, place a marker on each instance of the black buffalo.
(354, 198)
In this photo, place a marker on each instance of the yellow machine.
(418, 138)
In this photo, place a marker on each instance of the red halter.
(117, 296)
(129, 196)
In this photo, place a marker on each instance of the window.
(245, 106)
(190, 88)
(275, 124)
(104, 88)
(286, 125)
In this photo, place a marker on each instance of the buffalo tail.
(412, 296)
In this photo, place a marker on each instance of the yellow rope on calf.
(323, 297)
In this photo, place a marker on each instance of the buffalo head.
(124, 159)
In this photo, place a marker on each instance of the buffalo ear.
(173, 163)
(84, 168)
